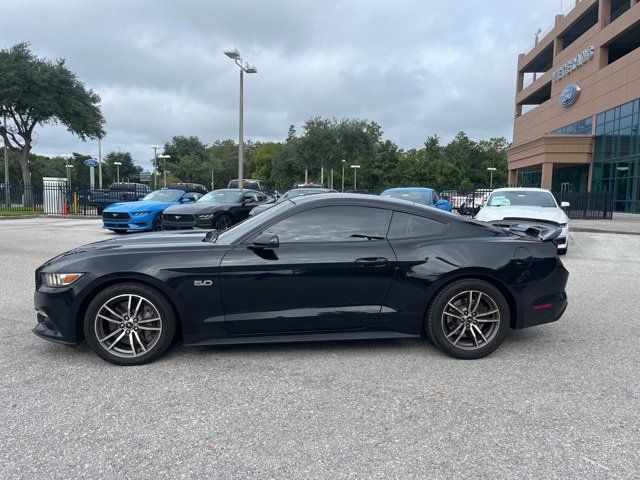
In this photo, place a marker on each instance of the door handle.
(371, 262)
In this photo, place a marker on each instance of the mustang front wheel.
(468, 319)
(129, 324)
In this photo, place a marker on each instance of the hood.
(488, 214)
(147, 241)
(139, 206)
(198, 208)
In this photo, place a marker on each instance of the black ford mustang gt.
(217, 209)
(321, 267)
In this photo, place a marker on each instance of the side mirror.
(565, 204)
(185, 200)
(266, 241)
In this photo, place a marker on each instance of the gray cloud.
(417, 67)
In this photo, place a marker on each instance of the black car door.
(331, 271)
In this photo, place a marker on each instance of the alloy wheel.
(128, 325)
(223, 223)
(470, 320)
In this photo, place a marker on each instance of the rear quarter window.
(404, 225)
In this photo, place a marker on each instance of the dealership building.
(577, 106)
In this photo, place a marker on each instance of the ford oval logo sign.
(569, 95)
(91, 162)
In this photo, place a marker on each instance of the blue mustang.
(145, 214)
(423, 196)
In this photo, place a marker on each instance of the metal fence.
(587, 205)
(60, 199)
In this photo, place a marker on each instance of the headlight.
(563, 225)
(140, 214)
(206, 216)
(59, 279)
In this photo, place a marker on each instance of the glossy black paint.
(359, 289)
(187, 216)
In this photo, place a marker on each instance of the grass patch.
(20, 213)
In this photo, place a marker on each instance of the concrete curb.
(597, 230)
(70, 217)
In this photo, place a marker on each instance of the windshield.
(234, 233)
(299, 193)
(164, 195)
(222, 196)
(517, 198)
(416, 196)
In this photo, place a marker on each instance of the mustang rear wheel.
(468, 319)
(129, 324)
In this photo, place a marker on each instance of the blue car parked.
(145, 214)
(423, 196)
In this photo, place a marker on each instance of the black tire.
(94, 325)
(222, 222)
(157, 223)
(469, 345)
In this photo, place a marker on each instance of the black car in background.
(319, 267)
(251, 184)
(218, 209)
(189, 187)
(296, 192)
(117, 192)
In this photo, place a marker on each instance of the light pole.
(68, 166)
(100, 162)
(117, 164)
(491, 170)
(355, 176)
(7, 194)
(343, 162)
(234, 55)
(164, 169)
(155, 164)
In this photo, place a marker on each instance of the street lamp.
(117, 164)
(234, 55)
(491, 169)
(355, 176)
(68, 166)
(155, 164)
(164, 169)
(343, 162)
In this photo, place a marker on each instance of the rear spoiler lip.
(545, 231)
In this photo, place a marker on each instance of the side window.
(191, 196)
(334, 224)
(404, 225)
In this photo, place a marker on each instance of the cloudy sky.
(417, 67)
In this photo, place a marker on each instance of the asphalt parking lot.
(557, 401)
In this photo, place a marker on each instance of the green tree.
(129, 171)
(36, 91)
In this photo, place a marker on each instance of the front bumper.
(56, 315)
(197, 223)
(134, 223)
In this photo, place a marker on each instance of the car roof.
(236, 190)
(521, 189)
(375, 201)
(408, 189)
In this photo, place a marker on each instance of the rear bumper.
(545, 302)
